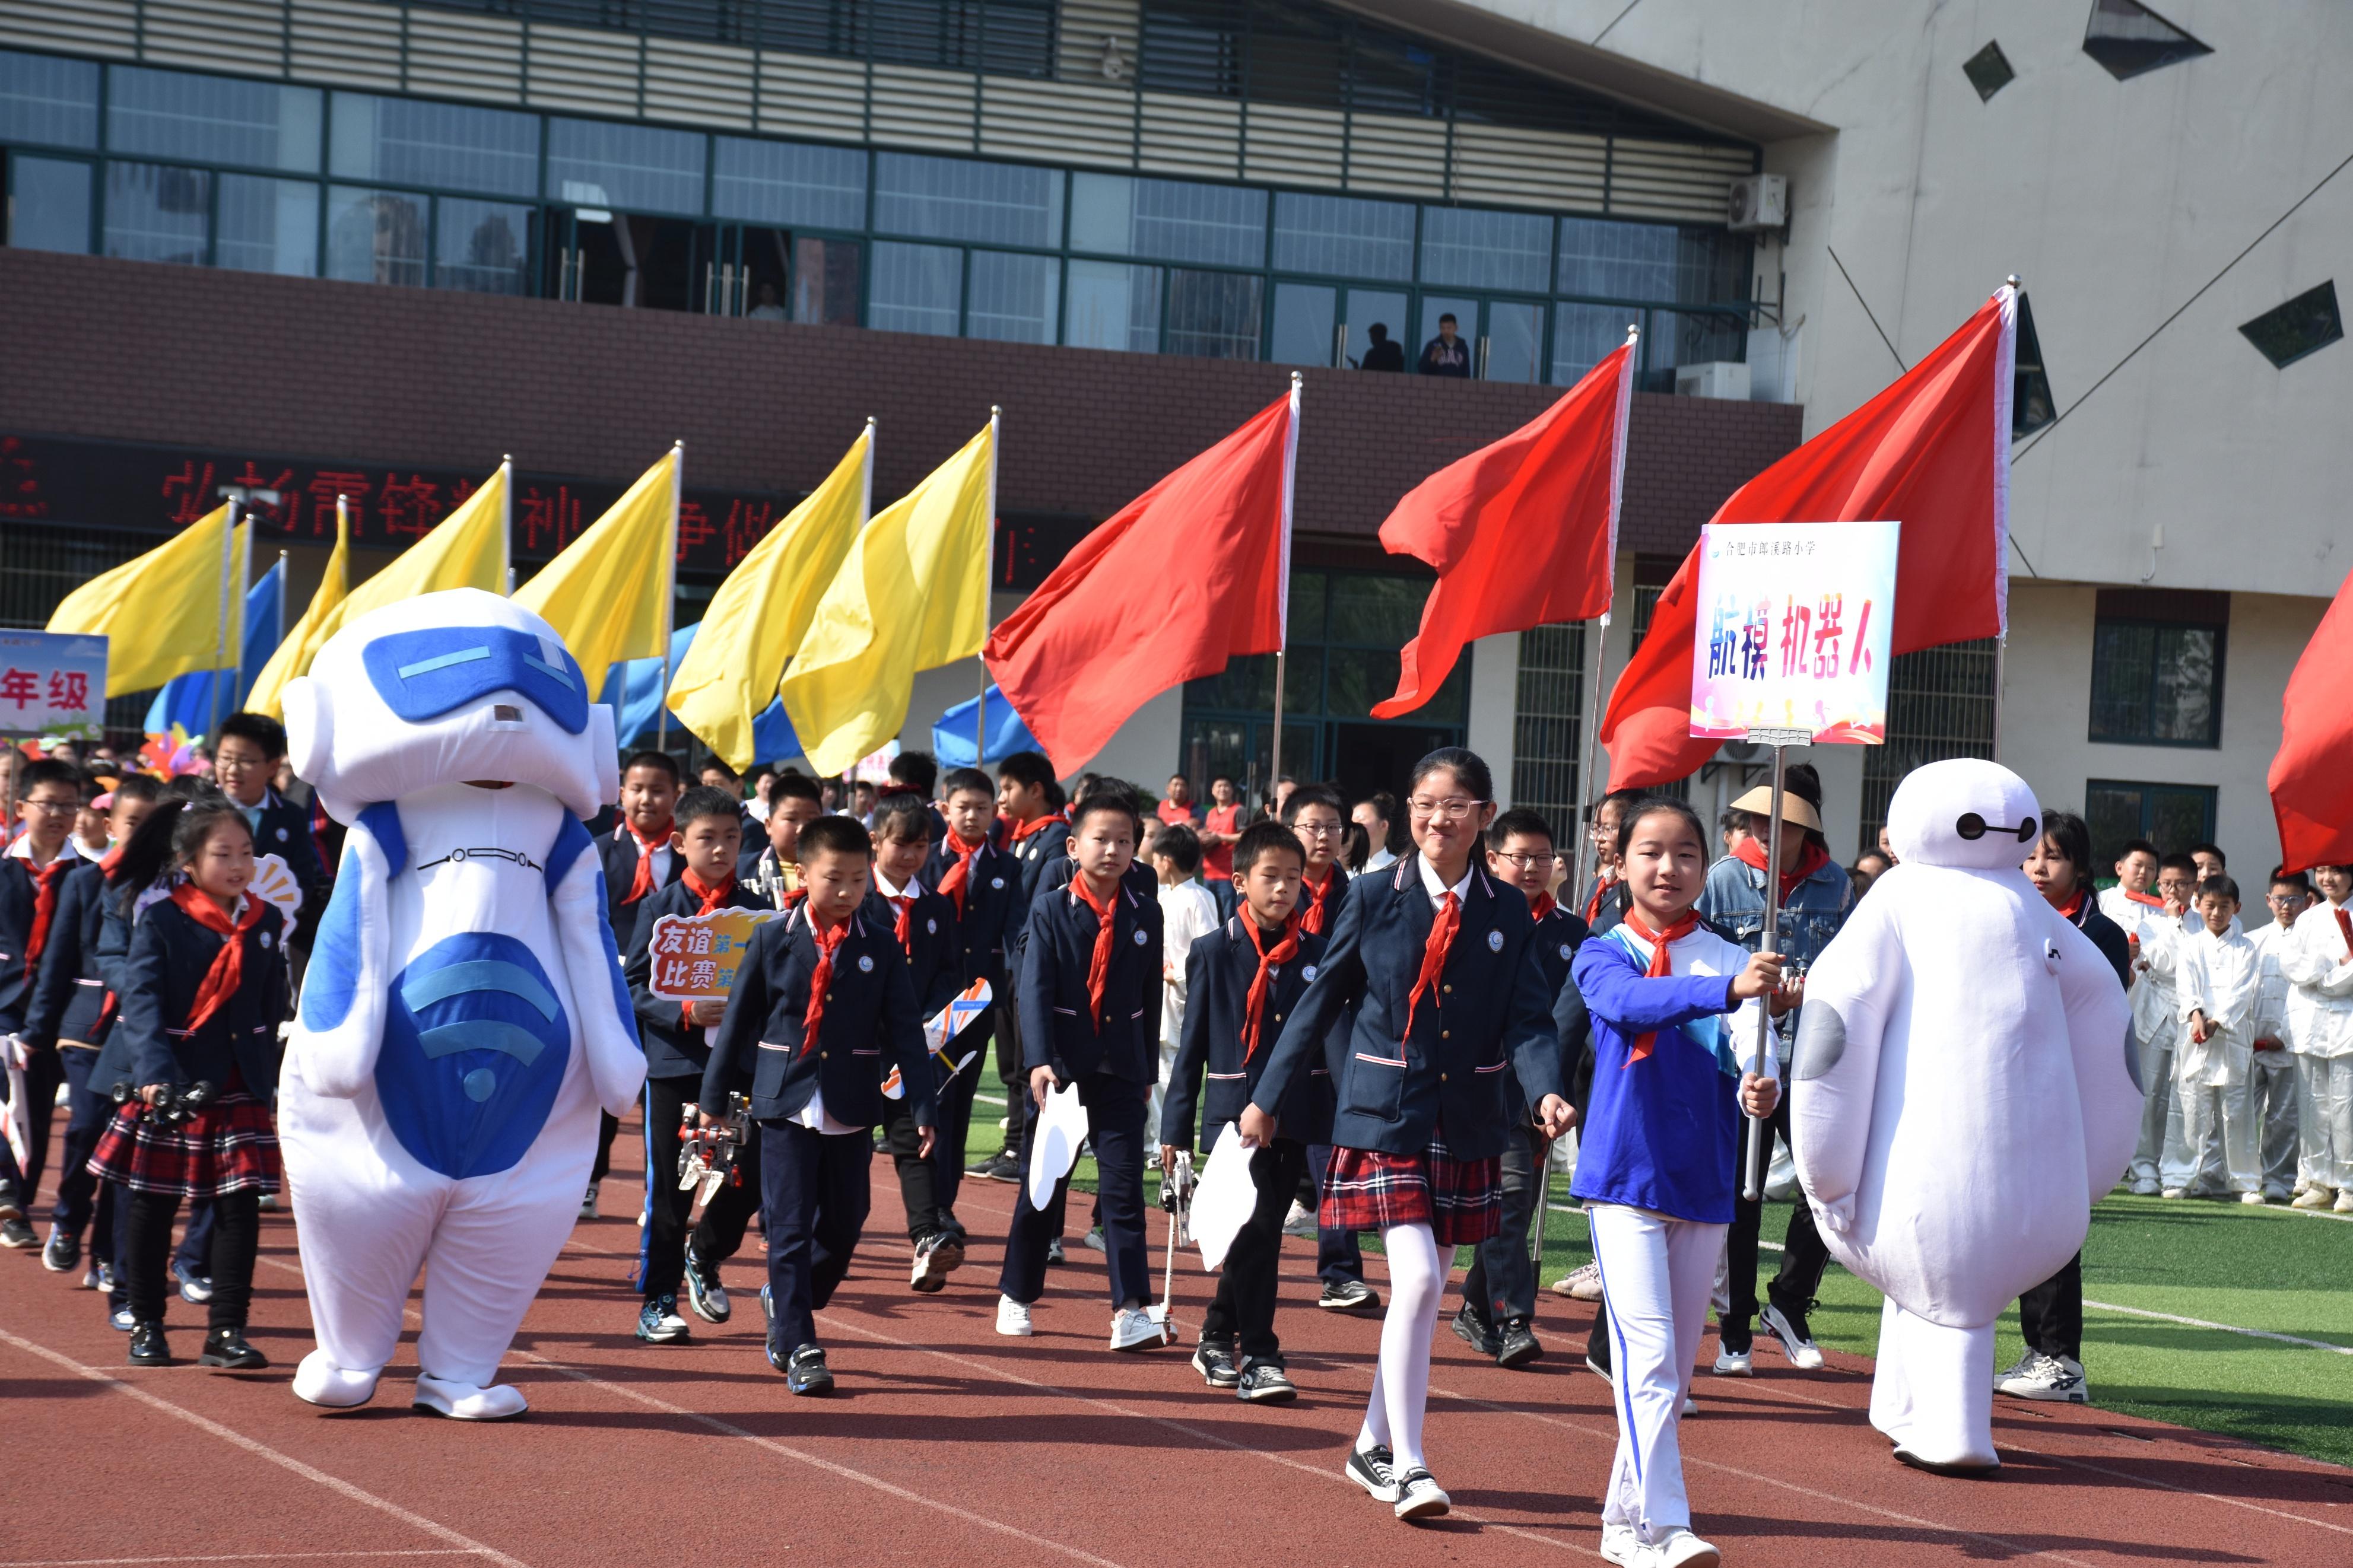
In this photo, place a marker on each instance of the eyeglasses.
(1317, 829)
(1527, 862)
(1452, 809)
(51, 808)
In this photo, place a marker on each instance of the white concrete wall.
(1495, 704)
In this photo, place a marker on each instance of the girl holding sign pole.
(1437, 961)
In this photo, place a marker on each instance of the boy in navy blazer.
(822, 1008)
(1242, 980)
(1090, 1007)
(1313, 812)
(637, 858)
(706, 836)
(33, 871)
(923, 925)
(250, 749)
(1033, 833)
(984, 883)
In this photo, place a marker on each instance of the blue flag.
(188, 699)
(634, 688)
(952, 737)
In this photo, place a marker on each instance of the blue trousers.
(82, 1198)
(1115, 1125)
(1337, 1256)
(813, 1195)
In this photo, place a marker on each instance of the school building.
(291, 248)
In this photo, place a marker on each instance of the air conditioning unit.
(1758, 202)
(1713, 378)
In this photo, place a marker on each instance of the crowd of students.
(1399, 1042)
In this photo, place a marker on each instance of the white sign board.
(52, 683)
(1792, 632)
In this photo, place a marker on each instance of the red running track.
(951, 1447)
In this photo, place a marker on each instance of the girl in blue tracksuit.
(1673, 1007)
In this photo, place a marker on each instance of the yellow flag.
(163, 613)
(912, 594)
(605, 594)
(762, 610)
(292, 656)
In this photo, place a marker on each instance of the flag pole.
(1761, 1129)
(220, 628)
(1282, 589)
(1595, 642)
(987, 590)
(670, 592)
(506, 521)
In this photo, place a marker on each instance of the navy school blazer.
(931, 951)
(170, 953)
(1489, 1019)
(618, 856)
(674, 1048)
(869, 1025)
(69, 995)
(1218, 969)
(18, 897)
(1557, 937)
(1058, 1025)
(994, 910)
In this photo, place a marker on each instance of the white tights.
(1401, 1379)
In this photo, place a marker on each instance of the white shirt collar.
(22, 849)
(1438, 890)
(913, 889)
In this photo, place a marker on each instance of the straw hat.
(1794, 808)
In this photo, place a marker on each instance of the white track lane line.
(336, 1484)
(241, 1557)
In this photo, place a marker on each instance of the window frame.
(2212, 742)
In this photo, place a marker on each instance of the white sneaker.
(1621, 1544)
(1682, 1549)
(588, 1204)
(1690, 1409)
(1733, 1363)
(2344, 1203)
(1013, 1318)
(466, 1401)
(2312, 1198)
(2256, 1198)
(1420, 1497)
(1095, 1240)
(1582, 1285)
(2174, 1193)
(1132, 1329)
(1300, 1221)
(2059, 1379)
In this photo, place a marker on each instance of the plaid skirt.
(1461, 1201)
(229, 1147)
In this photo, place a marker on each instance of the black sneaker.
(1265, 1382)
(1215, 1363)
(147, 1345)
(227, 1349)
(704, 1292)
(1515, 1343)
(1786, 1321)
(16, 1236)
(1002, 1166)
(658, 1322)
(1474, 1333)
(63, 1251)
(929, 1276)
(807, 1373)
(10, 1208)
(1054, 1251)
(1347, 1296)
(1420, 1497)
(1370, 1469)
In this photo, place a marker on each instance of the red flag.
(1190, 573)
(2312, 773)
(1932, 452)
(1521, 532)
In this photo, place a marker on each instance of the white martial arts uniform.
(2276, 1078)
(2319, 965)
(2222, 978)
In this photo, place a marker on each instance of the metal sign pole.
(1760, 1130)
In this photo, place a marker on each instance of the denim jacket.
(1734, 900)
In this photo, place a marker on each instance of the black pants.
(2051, 1316)
(1803, 1256)
(1017, 1137)
(1337, 1254)
(1243, 1313)
(237, 1239)
(813, 1195)
(43, 1073)
(84, 1201)
(608, 1127)
(1115, 1126)
(1501, 1284)
(928, 1187)
(661, 1245)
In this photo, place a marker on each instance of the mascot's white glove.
(1837, 1217)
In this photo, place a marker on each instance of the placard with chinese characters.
(695, 956)
(52, 683)
(1792, 632)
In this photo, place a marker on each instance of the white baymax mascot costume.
(1964, 1092)
(463, 1017)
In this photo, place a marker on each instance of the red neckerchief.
(1593, 904)
(1660, 964)
(905, 904)
(958, 877)
(712, 894)
(1099, 966)
(1263, 983)
(2146, 900)
(642, 882)
(820, 979)
(1433, 953)
(1813, 859)
(45, 905)
(1319, 895)
(1034, 826)
(228, 970)
(1541, 905)
(2344, 926)
(2073, 910)
(106, 861)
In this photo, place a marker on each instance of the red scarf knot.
(1107, 910)
(712, 894)
(1541, 905)
(1319, 902)
(1662, 964)
(45, 905)
(1813, 858)
(958, 877)
(820, 979)
(2145, 901)
(1262, 983)
(227, 972)
(1030, 829)
(1433, 956)
(642, 882)
(2073, 910)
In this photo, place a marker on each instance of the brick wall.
(132, 351)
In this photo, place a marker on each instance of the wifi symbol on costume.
(475, 1046)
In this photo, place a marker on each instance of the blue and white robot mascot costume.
(1964, 1093)
(464, 1017)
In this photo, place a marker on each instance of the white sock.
(1401, 1382)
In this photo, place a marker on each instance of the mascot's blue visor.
(424, 674)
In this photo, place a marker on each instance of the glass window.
(482, 248)
(2283, 334)
(155, 213)
(217, 119)
(1305, 315)
(594, 163)
(916, 289)
(825, 281)
(376, 237)
(1675, 338)
(1619, 261)
(269, 225)
(2155, 684)
(44, 98)
(1584, 335)
(1015, 298)
(961, 198)
(1213, 315)
(1477, 250)
(2171, 817)
(48, 205)
(1344, 235)
(1114, 305)
(1169, 220)
(1377, 612)
(411, 142)
(788, 183)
